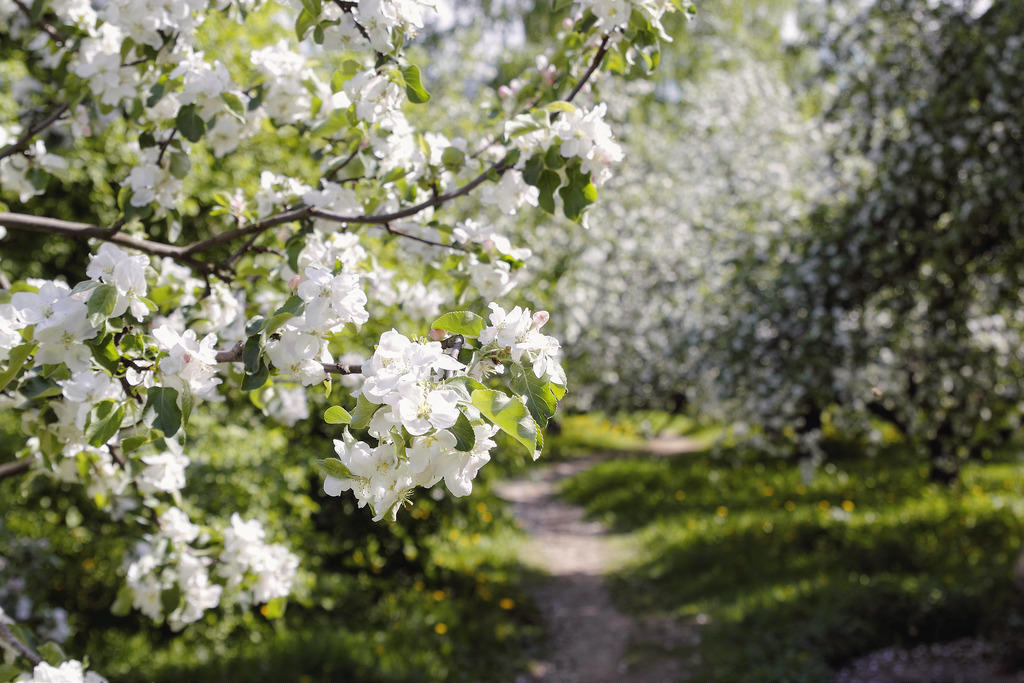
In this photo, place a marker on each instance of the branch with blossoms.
(108, 371)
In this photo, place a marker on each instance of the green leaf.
(539, 400)
(336, 415)
(170, 598)
(578, 194)
(332, 467)
(180, 165)
(277, 320)
(464, 386)
(156, 92)
(414, 89)
(257, 379)
(161, 411)
(303, 23)
(235, 105)
(509, 414)
(275, 608)
(547, 183)
(9, 672)
(123, 603)
(52, 653)
(553, 157)
(461, 322)
(104, 421)
(312, 6)
(36, 10)
(190, 123)
(465, 437)
(363, 412)
(255, 326)
(560, 106)
(453, 158)
(291, 308)
(532, 169)
(293, 305)
(101, 303)
(134, 443)
(105, 353)
(39, 387)
(251, 353)
(15, 362)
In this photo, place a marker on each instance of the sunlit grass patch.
(796, 578)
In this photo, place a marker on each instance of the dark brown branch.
(333, 170)
(234, 355)
(349, 9)
(21, 144)
(423, 240)
(378, 219)
(13, 469)
(244, 231)
(164, 145)
(602, 50)
(21, 648)
(55, 226)
(248, 246)
(45, 27)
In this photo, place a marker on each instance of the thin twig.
(21, 144)
(333, 170)
(423, 240)
(21, 648)
(602, 50)
(46, 28)
(234, 355)
(164, 144)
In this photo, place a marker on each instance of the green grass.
(437, 595)
(793, 579)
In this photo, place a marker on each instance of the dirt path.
(590, 638)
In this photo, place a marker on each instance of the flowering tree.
(268, 197)
(842, 256)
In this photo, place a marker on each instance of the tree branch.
(45, 27)
(55, 226)
(21, 144)
(185, 253)
(21, 648)
(602, 50)
(310, 211)
(234, 355)
(13, 469)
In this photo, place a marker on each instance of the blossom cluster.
(426, 423)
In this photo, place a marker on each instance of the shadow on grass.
(794, 579)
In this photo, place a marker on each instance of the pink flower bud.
(293, 284)
(539, 318)
(567, 23)
(436, 334)
(488, 245)
(504, 91)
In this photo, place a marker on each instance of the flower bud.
(436, 334)
(539, 318)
